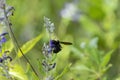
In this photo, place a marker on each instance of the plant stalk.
(14, 40)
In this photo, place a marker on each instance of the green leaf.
(29, 45)
(63, 72)
(82, 68)
(18, 72)
(106, 59)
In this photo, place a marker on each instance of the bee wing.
(66, 43)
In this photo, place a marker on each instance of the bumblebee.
(55, 45)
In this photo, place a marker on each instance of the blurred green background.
(76, 21)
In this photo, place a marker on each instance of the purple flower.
(2, 36)
(46, 50)
(1, 60)
(2, 2)
(3, 40)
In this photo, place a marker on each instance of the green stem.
(14, 40)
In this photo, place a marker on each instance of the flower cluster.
(2, 38)
(48, 49)
(70, 11)
(8, 10)
(49, 25)
(5, 58)
(2, 3)
(48, 67)
(47, 63)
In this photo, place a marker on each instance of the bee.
(55, 45)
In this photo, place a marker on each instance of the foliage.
(91, 25)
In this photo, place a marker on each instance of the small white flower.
(2, 2)
(93, 42)
(49, 25)
(52, 27)
(70, 11)
(83, 45)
